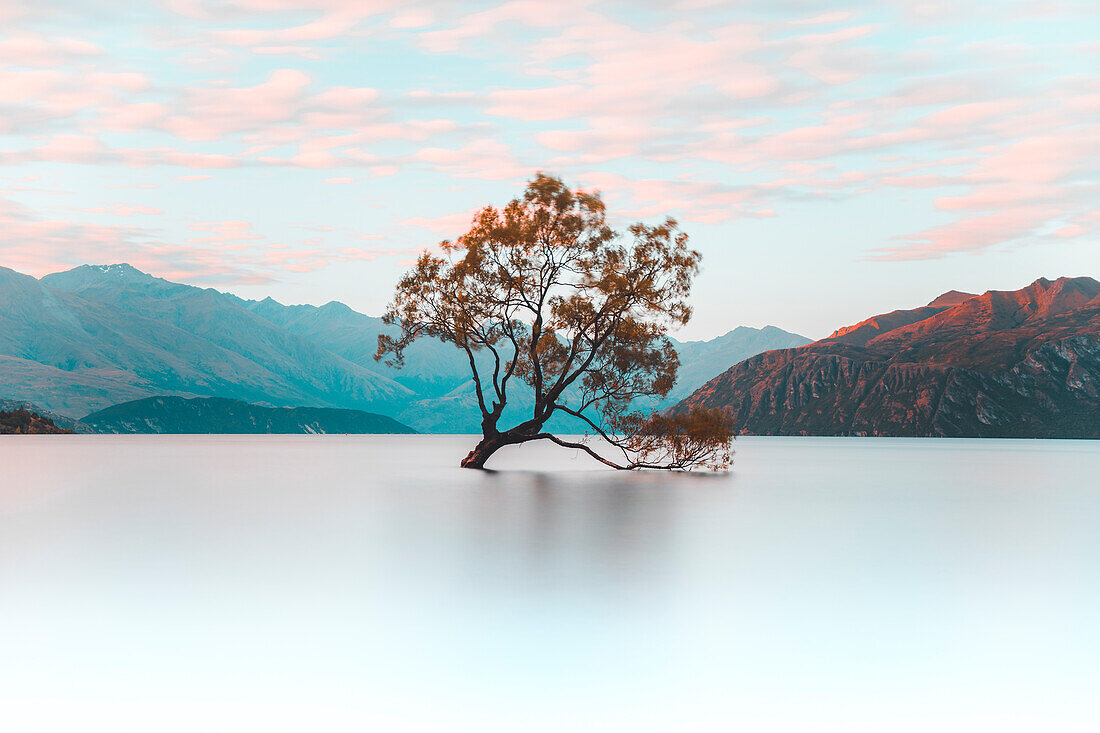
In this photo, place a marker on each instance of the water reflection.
(363, 581)
(606, 527)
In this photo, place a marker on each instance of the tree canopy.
(543, 292)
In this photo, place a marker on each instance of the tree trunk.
(482, 451)
(494, 441)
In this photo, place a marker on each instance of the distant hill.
(207, 415)
(22, 421)
(1022, 363)
(82, 340)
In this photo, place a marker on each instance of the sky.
(831, 160)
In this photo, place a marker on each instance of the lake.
(366, 583)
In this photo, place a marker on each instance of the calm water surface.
(366, 583)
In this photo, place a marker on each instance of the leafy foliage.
(548, 289)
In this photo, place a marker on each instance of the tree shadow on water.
(594, 526)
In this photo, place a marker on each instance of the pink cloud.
(554, 103)
(812, 141)
(487, 159)
(412, 18)
(483, 23)
(133, 116)
(346, 98)
(277, 27)
(37, 51)
(998, 196)
(223, 232)
(38, 246)
(597, 145)
(210, 113)
(688, 200)
(144, 185)
(1042, 159)
(1071, 230)
(834, 16)
(232, 252)
(35, 99)
(970, 113)
(629, 73)
(325, 27)
(121, 209)
(826, 56)
(381, 171)
(313, 159)
(969, 235)
(144, 157)
(304, 52)
(927, 180)
(68, 148)
(275, 113)
(447, 226)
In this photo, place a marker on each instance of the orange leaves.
(699, 437)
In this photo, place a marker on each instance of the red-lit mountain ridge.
(1023, 363)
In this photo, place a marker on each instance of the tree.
(544, 293)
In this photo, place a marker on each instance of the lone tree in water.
(543, 293)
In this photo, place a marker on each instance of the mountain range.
(80, 341)
(1023, 363)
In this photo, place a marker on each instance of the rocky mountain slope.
(216, 415)
(67, 424)
(1022, 363)
(22, 421)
